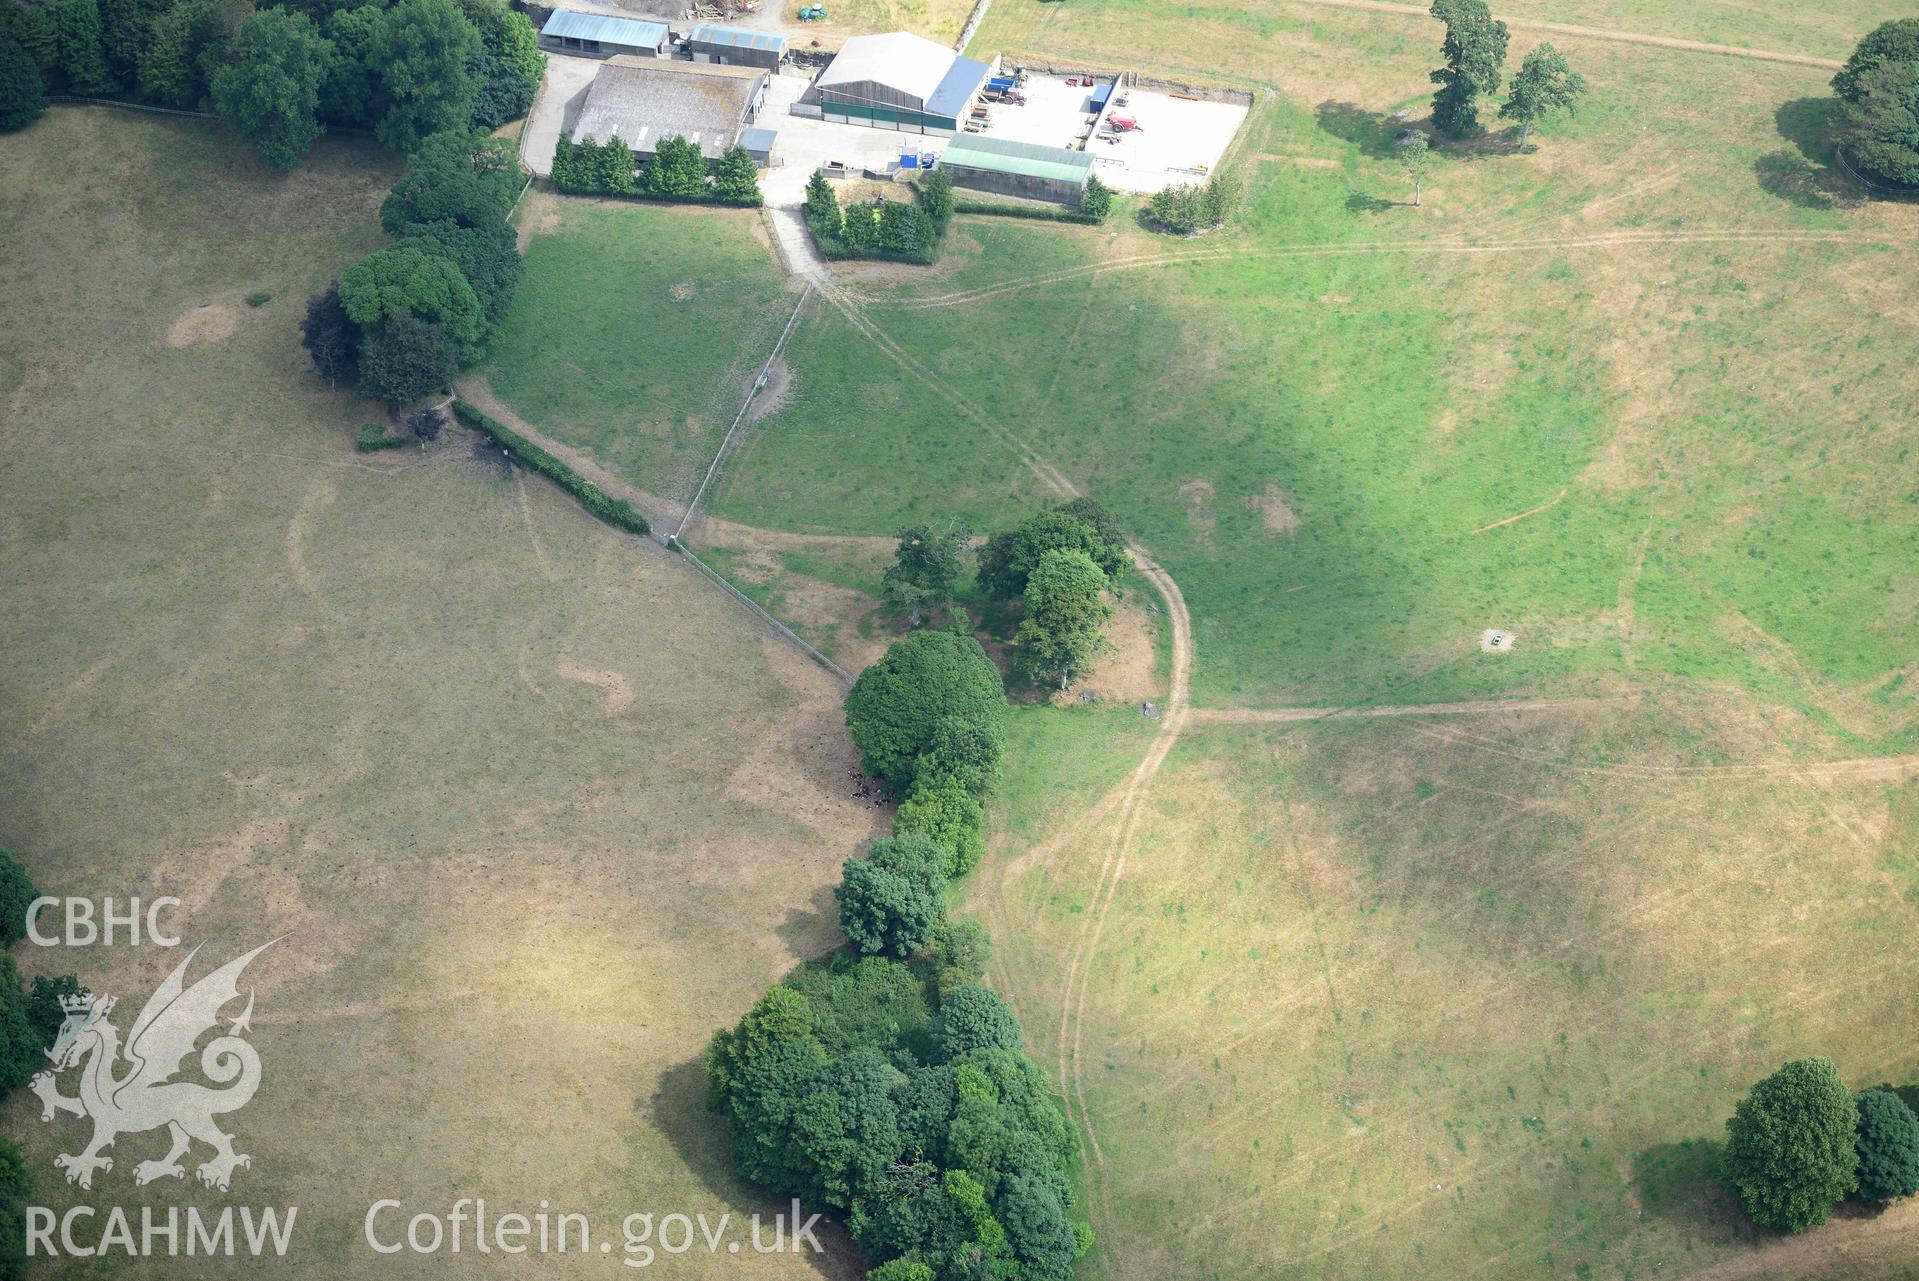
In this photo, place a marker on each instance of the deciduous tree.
(899, 703)
(1415, 153)
(1790, 1155)
(890, 900)
(17, 893)
(82, 56)
(1895, 41)
(936, 198)
(1543, 85)
(1475, 49)
(507, 68)
(927, 567)
(419, 56)
(1066, 614)
(268, 87)
(405, 358)
(403, 281)
(1879, 125)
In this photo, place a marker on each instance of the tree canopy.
(1082, 525)
(1895, 41)
(1543, 85)
(17, 893)
(1066, 613)
(404, 358)
(1879, 125)
(419, 54)
(22, 94)
(268, 88)
(1790, 1155)
(1888, 1146)
(890, 900)
(898, 704)
(403, 281)
(507, 66)
(1474, 49)
(927, 567)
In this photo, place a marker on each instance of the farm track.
(1593, 33)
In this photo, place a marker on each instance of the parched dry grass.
(1396, 998)
(536, 808)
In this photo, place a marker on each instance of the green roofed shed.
(1026, 169)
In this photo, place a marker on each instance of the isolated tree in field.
(82, 56)
(507, 69)
(22, 94)
(927, 567)
(268, 89)
(1066, 613)
(898, 704)
(890, 900)
(16, 895)
(402, 281)
(1790, 1154)
(1475, 48)
(736, 179)
(1544, 84)
(1888, 1146)
(405, 358)
(330, 337)
(1879, 126)
(1096, 198)
(1415, 154)
(419, 55)
(1895, 41)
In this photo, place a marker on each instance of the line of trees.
(1186, 208)
(402, 321)
(886, 1084)
(280, 75)
(676, 171)
(1800, 1143)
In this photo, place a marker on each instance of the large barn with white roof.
(900, 81)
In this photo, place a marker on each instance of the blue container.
(1100, 95)
(1000, 84)
(910, 160)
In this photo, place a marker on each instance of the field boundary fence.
(720, 580)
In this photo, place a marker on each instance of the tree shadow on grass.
(1373, 132)
(1804, 174)
(1680, 1183)
(1361, 203)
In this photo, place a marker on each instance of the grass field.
(637, 333)
(535, 807)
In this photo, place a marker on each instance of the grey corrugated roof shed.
(1030, 159)
(737, 37)
(758, 139)
(567, 24)
(913, 65)
(643, 100)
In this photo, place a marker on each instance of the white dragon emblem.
(145, 1096)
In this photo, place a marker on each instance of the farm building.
(736, 46)
(900, 81)
(598, 35)
(641, 100)
(1010, 168)
(759, 144)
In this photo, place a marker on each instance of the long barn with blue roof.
(900, 81)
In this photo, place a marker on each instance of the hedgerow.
(617, 512)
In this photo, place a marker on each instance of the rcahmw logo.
(131, 1088)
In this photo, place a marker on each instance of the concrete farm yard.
(1373, 955)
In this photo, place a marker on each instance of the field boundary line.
(1530, 511)
(732, 433)
(759, 611)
